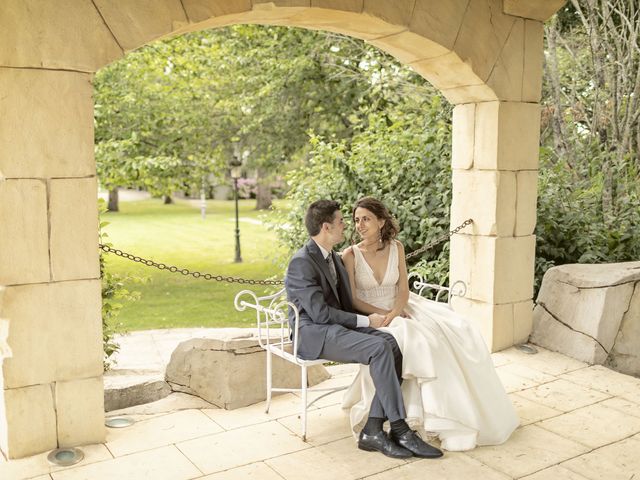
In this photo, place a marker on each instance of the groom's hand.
(376, 320)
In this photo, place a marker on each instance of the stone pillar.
(52, 392)
(495, 161)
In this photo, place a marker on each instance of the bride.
(450, 386)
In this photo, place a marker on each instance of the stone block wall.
(495, 161)
(52, 385)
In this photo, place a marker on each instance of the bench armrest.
(417, 284)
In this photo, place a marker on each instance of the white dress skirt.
(450, 386)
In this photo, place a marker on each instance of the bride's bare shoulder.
(347, 252)
(399, 245)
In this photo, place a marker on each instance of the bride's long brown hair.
(389, 230)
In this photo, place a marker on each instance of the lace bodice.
(383, 294)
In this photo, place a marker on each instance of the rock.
(171, 403)
(625, 354)
(230, 372)
(591, 313)
(122, 390)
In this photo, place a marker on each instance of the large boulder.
(591, 313)
(229, 369)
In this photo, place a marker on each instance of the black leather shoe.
(380, 442)
(412, 442)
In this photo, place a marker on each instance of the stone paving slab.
(256, 471)
(239, 447)
(338, 459)
(594, 426)
(604, 380)
(281, 406)
(618, 461)
(160, 431)
(623, 405)
(563, 395)
(578, 422)
(320, 464)
(38, 465)
(453, 466)
(530, 411)
(165, 463)
(546, 361)
(529, 449)
(533, 375)
(327, 424)
(557, 472)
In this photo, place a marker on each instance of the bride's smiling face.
(367, 224)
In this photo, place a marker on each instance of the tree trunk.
(557, 120)
(263, 192)
(112, 205)
(263, 195)
(167, 199)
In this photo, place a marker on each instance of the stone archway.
(484, 55)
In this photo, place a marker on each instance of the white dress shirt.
(363, 320)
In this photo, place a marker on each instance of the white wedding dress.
(450, 386)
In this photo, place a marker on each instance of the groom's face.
(336, 228)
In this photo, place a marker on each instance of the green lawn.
(176, 235)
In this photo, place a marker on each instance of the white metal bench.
(272, 314)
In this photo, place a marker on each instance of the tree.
(593, 88)
(259, 90)
(589, 202)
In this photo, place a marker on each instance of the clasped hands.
(377, 320)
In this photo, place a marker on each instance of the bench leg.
(269, 380)
(303, 386)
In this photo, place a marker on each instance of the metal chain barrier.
(248, 281)
(438, 240)
(185, 271)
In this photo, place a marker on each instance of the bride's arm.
(349, 263)
(402, 298)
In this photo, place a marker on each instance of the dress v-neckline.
(373, 275)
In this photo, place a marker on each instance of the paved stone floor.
(577, 422)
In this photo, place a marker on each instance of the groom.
(318, 285)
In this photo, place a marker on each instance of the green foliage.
(402, 157)
(114, 296)
(175, 112)
(573, 226)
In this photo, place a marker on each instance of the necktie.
(332, 268)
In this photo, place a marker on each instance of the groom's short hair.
(319, 212)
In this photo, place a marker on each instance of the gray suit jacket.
(320, 303)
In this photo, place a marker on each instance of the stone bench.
(228, 369)
(591, 313)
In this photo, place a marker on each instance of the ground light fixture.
(527, 348)
(119, 422)
(65, 456)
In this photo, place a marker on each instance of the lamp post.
(236, 170)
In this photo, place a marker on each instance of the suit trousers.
(379, 350)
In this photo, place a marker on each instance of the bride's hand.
(388, 318)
